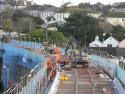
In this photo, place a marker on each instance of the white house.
(44, 15)
(110, 42)
(1, 6)
(117, 9)
(115, 21)
(95, 15)
(122, 44)
(61, 16)
(57, 16)
(96, 43)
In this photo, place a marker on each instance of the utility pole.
(85, 40)
(30, 26)
(1, 10)
(1, 21)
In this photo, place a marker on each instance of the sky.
(75, 2)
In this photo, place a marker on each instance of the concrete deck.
(84, 81)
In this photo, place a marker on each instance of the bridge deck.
(85, 81)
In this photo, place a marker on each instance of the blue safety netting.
(13, 56)
(112, 68)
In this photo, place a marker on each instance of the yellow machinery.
(64, 78)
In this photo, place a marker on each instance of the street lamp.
(17, 40)
(20, 40)
(30, 83)
(12, 41)
(34, 42)
(7, 74)
(104, 36)
(25, 42)
(45, 26)
(39, 44)
(85, 40)
(100, 58)
(29, 38)
(39, 40)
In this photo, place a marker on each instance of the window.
(109, 45)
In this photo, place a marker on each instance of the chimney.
(32, 2)
(25, 2)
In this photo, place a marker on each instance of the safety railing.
(33, 83)
(111, 64)
(55, 85)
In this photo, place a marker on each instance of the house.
(117, 10)
(19, 4)
(122, 44)
(115, 21)
(24, 2)
(45, 12)
(95, 15)
(96, 43)
(98, 6)
(1, 6)
(110, 42)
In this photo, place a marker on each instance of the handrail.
(54, 86)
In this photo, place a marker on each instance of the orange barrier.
(52, 74)
(49, 63)
(58, 52)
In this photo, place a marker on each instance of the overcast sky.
(75, 2)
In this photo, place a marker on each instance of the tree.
(76, 10)
(84, 28)
(55, 36)
(38, 20)
(119, 33)
(85, 5)
(25, 23)
(8, 25)
(37, 34)
(64, 7)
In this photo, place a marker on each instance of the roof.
(122, 44)
(111, 38)
(117, 14)
(96, 43)
(43, 8)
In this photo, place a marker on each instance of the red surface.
(88, 82)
